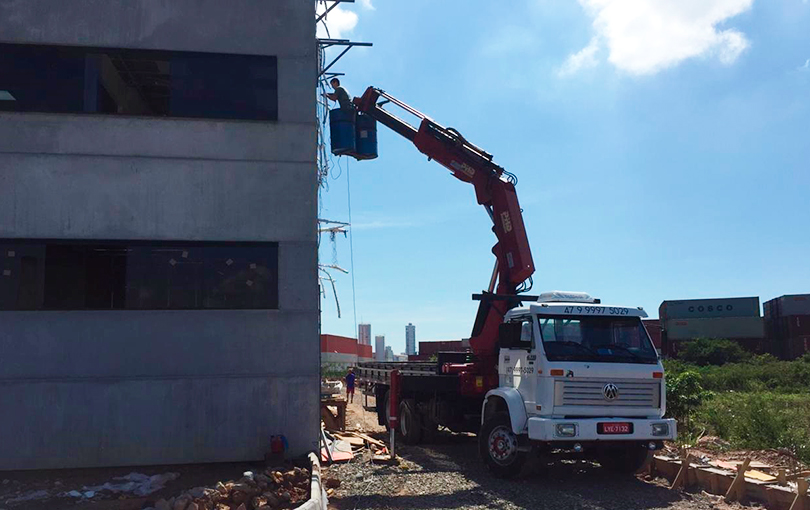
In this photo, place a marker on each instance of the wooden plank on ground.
(369, 439)
(682, 478)
(352, 439)
(759, 475)
(737, 490)
(800, 503)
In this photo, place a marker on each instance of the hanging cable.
(351, 244)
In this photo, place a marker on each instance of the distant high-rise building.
(364, 334)
(410, 339)
(389, 353)
(379, 347)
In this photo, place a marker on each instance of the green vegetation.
(760, 420)
(710, 351)
(333, 371)
(755, 402)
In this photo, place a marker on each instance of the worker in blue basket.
(350, 385)
(340, 95)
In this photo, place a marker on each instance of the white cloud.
(806, 65)
(583, 59)
(646, 36)
(339, 21)
(366, 4)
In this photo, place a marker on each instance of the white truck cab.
(575, 375)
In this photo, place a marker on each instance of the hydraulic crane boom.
(494, 189)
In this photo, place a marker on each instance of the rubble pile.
(271, 490)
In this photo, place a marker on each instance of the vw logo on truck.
(610, 391)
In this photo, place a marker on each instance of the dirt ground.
(40, 490)
(448, 474)
(444, 475)
(357, 418)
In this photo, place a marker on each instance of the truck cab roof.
(574, 304)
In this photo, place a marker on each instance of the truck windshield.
(601, 339)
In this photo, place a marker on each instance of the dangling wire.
(351, 243)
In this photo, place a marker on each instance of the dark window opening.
(62, 79)
(120, 275)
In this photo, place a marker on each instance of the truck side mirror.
(510, 336)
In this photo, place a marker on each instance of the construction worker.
(340, 95)
(350, 385)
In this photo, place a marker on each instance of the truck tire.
(627, 460)
(381, 402)
(410, 424)
(386, 412)
(498, 447)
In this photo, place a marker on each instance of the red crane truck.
(564, 372)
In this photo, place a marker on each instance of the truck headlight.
(566, 429)
(660, 429)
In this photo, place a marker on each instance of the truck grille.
(585, 392)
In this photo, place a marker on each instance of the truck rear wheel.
(498, 447)
(625, 460)
(386, 412)
(410, 424)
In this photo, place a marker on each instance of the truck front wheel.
(624, 460)
(498, 446)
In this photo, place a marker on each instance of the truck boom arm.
(494, 189)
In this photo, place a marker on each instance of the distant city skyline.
(410, 339)
(379, 347)
(364, 334)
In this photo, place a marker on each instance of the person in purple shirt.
(350, 385)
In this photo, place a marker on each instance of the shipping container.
(797, 347)
(790, 304)
(431, 348)
(790, 327)
(364, 351)
(708, 308)
(653, 327)
(338, 344)
(724, 327)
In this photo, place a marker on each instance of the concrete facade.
(133, 387)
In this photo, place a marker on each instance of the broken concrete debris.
(138, 484)
(272, 490)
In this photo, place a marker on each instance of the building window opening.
(63, 275)
(61, 79)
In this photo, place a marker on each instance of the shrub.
(685, 395)
(713, 351)
(759, 420)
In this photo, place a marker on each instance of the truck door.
(518, 365)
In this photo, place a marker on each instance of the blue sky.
(662, 149)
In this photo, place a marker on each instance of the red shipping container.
(796, 326)
(338, 344)
(653, 327)
(364, 351)
(798, 347)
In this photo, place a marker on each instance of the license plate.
(614, 428)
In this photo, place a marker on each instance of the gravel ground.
(449, 475)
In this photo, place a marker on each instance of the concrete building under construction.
(158, 294)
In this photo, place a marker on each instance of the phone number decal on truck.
(596, 310)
